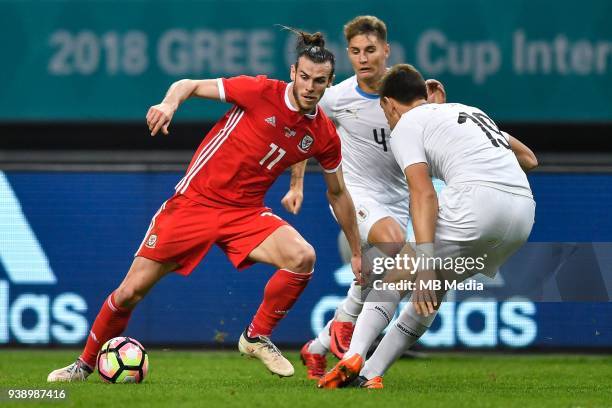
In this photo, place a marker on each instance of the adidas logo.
(25, 264)
(271, 121)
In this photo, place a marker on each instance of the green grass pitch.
(211, 379)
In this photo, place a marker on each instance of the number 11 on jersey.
(273, 148)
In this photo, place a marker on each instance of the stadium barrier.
(67, 239)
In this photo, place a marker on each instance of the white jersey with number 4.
(367, 161)
(461, 145)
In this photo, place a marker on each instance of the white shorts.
(369, 211)
(475, 220)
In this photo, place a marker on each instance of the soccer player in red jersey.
(271, 126)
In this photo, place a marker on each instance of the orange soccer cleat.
(375, 383)
(315, 363)
(340, 334)
(343, 373)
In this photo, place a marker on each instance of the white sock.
(408, 328)
(320, 345)
(350, 308)
(379, 308)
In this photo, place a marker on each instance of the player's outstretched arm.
(423, 202)
(424, 214)
(344, 209)
(292, 201)
(159, 116)
(526, 158)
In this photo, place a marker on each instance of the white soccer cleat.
(77, 371)
(264, 350)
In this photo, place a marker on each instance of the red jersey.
(256, 140)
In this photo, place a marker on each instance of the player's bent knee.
(397, 236)
(141, 277)
(302, 258)
(386, 231)
(392, 234)
(127, 296)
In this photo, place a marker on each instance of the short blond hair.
(365, 25)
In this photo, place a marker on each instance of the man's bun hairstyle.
(312, 46)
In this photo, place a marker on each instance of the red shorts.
(183, 231)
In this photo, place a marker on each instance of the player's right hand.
(356, 266)
(424, 300)
(159, 117)
(292, 201)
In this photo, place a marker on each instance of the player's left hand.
(425, 300)
(435, 91)
(292, 201)
(356, 266)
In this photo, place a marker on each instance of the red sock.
(110, 322)
(281, 292)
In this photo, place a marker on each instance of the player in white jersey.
(375, 181)
(486, 208)
(366, 153)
